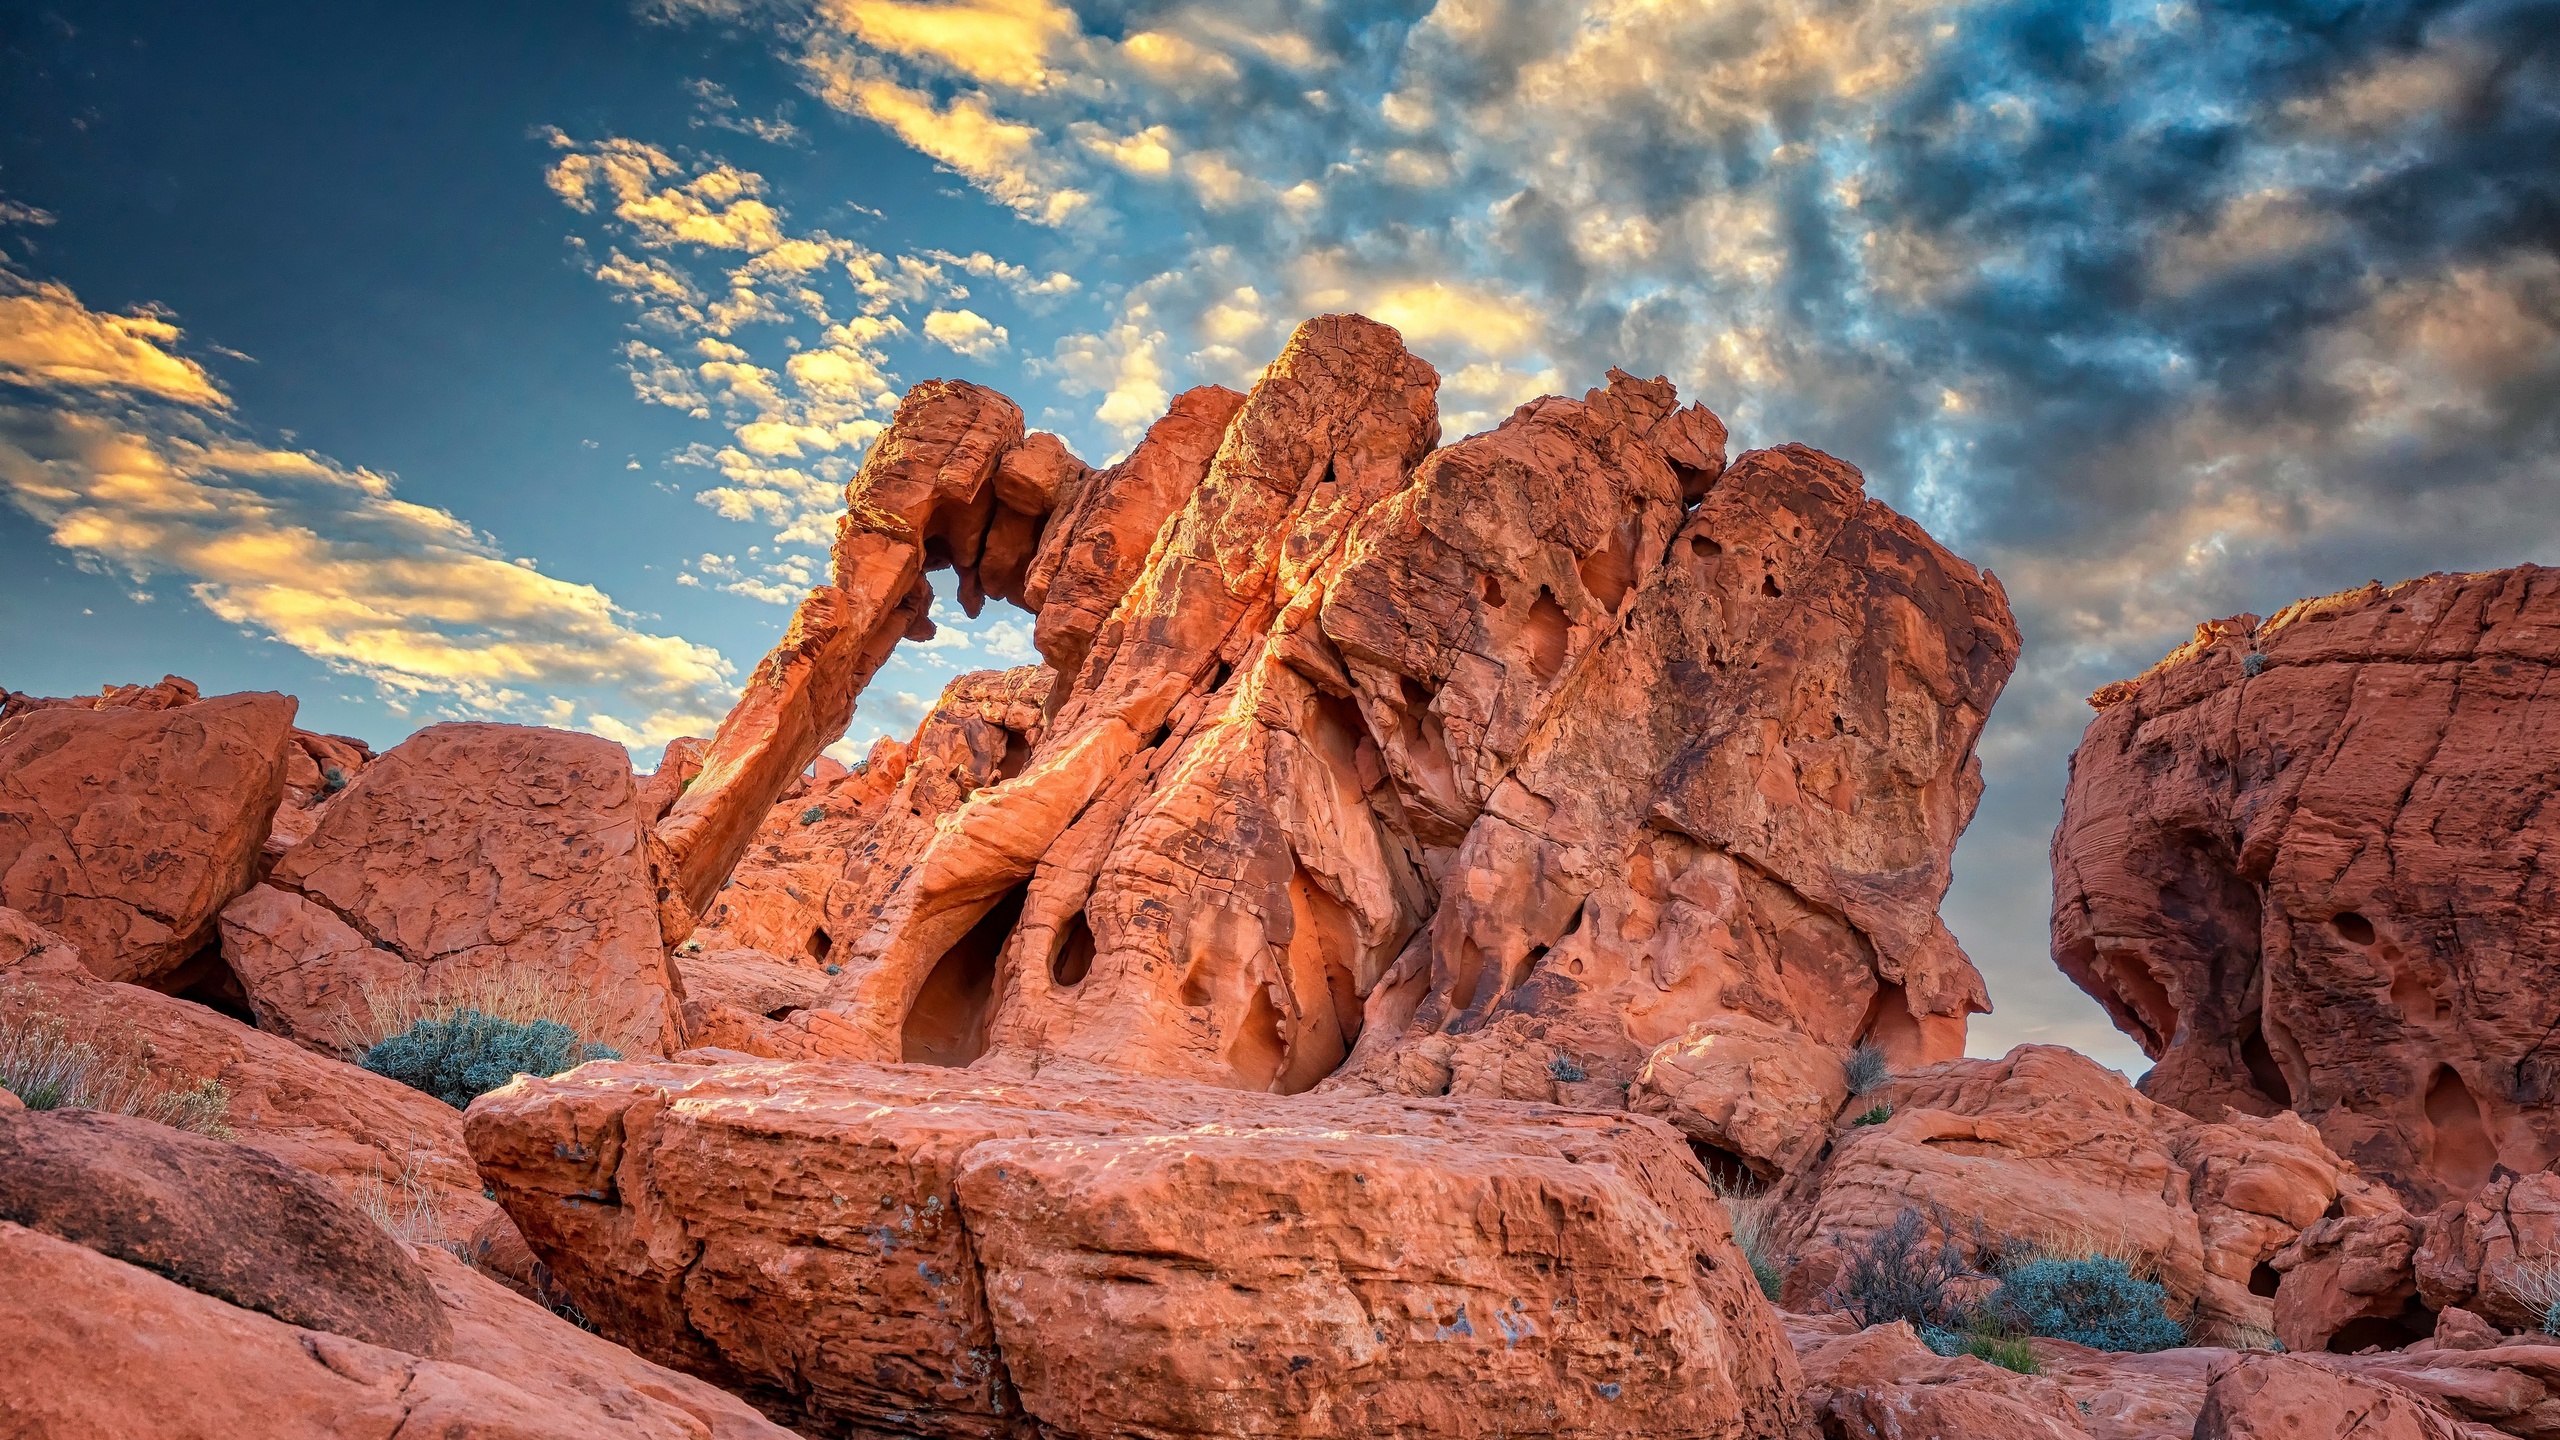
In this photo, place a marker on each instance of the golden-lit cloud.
(1003, 157)
(994, 42)
(965, 332)
(48, 339)
(123, 452)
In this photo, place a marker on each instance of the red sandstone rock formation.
(2304, 862)
(867, 1248)
(103, 1348)
(364, 1134)
(926, 496)
(1481, 771)
(128, 827)
(467, 851)
(2046, 1147)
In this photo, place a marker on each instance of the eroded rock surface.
(368, 1136)
(869, 1249)
(1484, 770)
(2307, 864)
(127, 827)
(469, 850)
(2047, 1148)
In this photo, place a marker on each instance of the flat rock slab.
(873, 1249)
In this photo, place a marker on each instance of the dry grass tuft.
(519, 996)
(45, 1067)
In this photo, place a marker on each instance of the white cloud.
(966, 332)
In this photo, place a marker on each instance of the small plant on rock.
(2094, 1301)
(1749, 1209)
(1566, 1071)
(48, 1070)
(2009, 1352)
(1876, 1116)
(471, 1053)
(1865, 1067)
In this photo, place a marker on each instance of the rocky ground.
(1446, 944)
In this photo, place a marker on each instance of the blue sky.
(506, 361)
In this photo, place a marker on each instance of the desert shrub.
(2009, 1352)
(1566, 1072)
(1865, 1066)
(48, 1070)
(1875, 1116)
(459, 1059)
(1902, 1274)
(2094, 1301)
(813, 814)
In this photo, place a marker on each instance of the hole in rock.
(2461, 1152)
(1703, 547)
(1729, 1170)
(1017, 754)
(1259, 1054)
(2263, 1280)
(820, 942)
(1694, 484)
(785, 1013)
(2264, 1072)
(2415, 997)
(1527, 966)
(1074, 959)
(1610, 572)
(1893, 1028)
(1769, 586)
(1492, 589)
(2352, 927)
(206, 978)
(2392, 1332)
(947, 1025)
(1547, 634)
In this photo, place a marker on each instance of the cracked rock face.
(2307, 863)
(873, 1250)
(470, 850)
(1483, 769)
(127, 827)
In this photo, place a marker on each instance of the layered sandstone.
(370, 1137)
(2044, 1147)
(874, 1249)
(2303, 862)
(1483, 770)
(127, 827)
(469, 852)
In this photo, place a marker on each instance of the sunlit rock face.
(1363, 761)
(2306, 863)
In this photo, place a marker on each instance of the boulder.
(2496, 1254)
(379, 1142)
(221, 1218)
(862, 1247)
(2300, 863)
(468, 852)
(2280, 1397)
(1744, 1089)
(127, 828)
(2044, 1147)
(1881, 1383)
(736, 999)
(2350, 1284)
(317, 769)
(100, 1347)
